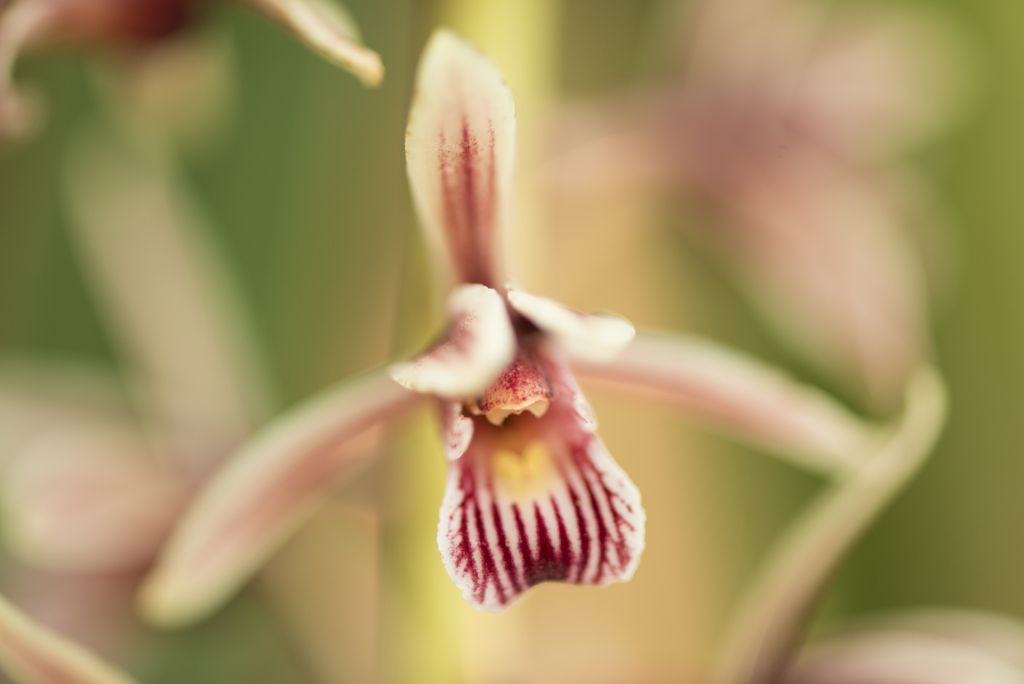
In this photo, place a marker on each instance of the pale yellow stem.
(772, 620)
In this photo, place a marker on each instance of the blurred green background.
(304, 183)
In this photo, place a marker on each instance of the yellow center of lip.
(521, 475)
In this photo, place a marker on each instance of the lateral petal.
(251, 506)
(538, 499)
(739, 396)
(591, 337)
(460, 149)
(479, 344)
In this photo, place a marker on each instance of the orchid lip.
(537, 499)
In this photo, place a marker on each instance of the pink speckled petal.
(264, 493)
(479, 344)
(459, 149)
(739, 396)
(31, 654)
(538, 499)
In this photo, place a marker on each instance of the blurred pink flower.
(96, 468)
(787, 129)
(532, 493)
(133, 26)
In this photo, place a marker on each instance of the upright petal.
(740, 396)
(479, 344)
(88, 499)
(263, 494)
(327, 29)
(459, 149)
(538, 499)
(591, 337)
(31, 654)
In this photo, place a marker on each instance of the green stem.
(774, 617)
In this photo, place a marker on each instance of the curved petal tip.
(480, 343)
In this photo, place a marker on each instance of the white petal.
(31, 654)
(460, 148)
(327, 29)
(479, 344)
(740, 396)
(589, 337)
(263, 494)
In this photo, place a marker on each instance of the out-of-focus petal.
(21, 24)
(165, 291)
(825, 254)
(739, 396)
(479, 344)
(878, 81)
(934, 647)
(263, 494)
(590, 337)
(87, 499)
(182, 89)
(611, 145)
(538, 499)
(31, 654)
(460, 148)
(326, 28)
(37, 396)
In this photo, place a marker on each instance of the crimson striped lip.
(565, 511)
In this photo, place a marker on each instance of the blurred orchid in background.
(138, 27)
(788, 129)
(97, 467)
(532, 493)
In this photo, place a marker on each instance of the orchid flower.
(31, 654)
(787, 132)
(134, 25)
(96, 467)
(532, 493)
